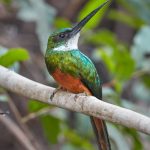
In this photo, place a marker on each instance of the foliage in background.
(55, 126)
(125, 63)
(122, 62)
(8, 57)
(6, 2)
(97, 18)
(13, 55)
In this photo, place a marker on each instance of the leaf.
(35, 106)
(118, 61)
(12, 56)
(114, 53)
(125, 18)
(103, 37)
(61, 23)
(124, 63)
(91, 5)
(132, 135)
(146, 79)
(78, 141)
(6, 2)
(138, 8)
(51, 126)
(137, 144)
(106, 57)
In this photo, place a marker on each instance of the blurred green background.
(117, 40)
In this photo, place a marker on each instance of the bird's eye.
(62, 35)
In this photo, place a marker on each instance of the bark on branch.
(88, 105)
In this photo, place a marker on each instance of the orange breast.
(70, 83)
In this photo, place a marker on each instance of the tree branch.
(20, 135)
(24, 128)
(88, 105)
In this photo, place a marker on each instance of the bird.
(75, 72)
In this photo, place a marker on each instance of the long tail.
(100, 130)
(99, 125)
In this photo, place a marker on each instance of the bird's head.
(67, 38)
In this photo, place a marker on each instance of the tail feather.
(101, 133)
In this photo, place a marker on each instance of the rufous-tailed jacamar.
(74, 71)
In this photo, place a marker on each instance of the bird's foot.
(85, 94)
(80, 94)
(55, 91)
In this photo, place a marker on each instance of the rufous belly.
(69, 82)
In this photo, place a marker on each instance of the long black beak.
(82, 23)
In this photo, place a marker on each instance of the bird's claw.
(85, 94)
(54, 92)
(81, 94)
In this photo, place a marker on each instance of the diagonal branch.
(20, 135)
(88, 105)
(23, 127)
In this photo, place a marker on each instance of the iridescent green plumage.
(76, 64)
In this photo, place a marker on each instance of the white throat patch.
(71, 44)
